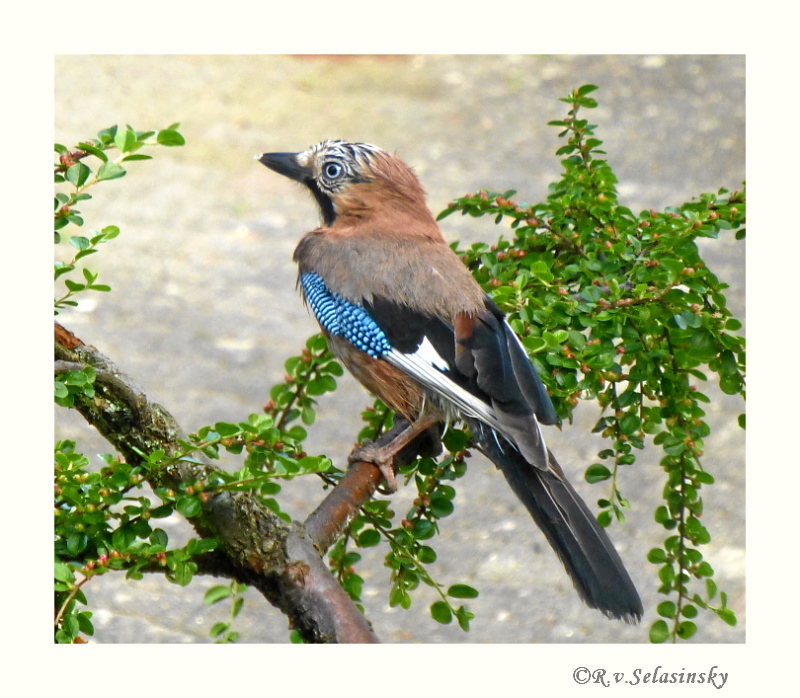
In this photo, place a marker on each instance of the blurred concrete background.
(204, 311)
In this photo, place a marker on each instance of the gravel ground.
(204, 309)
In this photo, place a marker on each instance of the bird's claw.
(370, 453)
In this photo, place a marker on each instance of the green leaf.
(462, 591)
(441, 612)
(441, 507)
(463, 616)
(541, 271)
(63, 573)
(687, 319)
(78, 174)
(71, 625)
(124, 140)
(236, 606)
(77, 542)
(84, 253)
(666, 574)
(727, 616)
(216, 594)
(170, 137)
(204, 545)
(555, 339)
(122, 538)
(659, 632)
(704, 477)
(597, 473)
(667, 609)
(159, 536)
(533, 345)
(106, 136)
(629, 424)
(727, 362)
(188, 505)
(426, 554)
(368, 538)
(455, 440)
(397, 595)
(711, 588)
(730, 385)
(109, 232)
(110, 170)
(308, 416)
(224, 429)
(423, 529)
(84, 624)
(315, 464)
(93, 150)
(218, 628)
(321, 385)
(184, 572)
(732, 324)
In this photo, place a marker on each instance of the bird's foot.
(381, 457)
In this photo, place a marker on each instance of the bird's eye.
(332, 170)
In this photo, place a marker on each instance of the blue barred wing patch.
(343, 318)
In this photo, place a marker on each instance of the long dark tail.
(582, 545)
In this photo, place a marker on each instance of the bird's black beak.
(285, 164)
(289, 165)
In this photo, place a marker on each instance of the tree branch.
(331, 518)
(257, 547)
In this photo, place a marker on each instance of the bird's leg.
(383, 457)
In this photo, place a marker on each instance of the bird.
(408, 320)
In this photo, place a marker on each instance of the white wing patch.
(426, 366)
(427, 353)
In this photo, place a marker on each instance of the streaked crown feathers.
(335, 164)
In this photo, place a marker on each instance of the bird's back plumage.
(407, 319)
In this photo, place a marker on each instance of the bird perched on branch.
(407, 319)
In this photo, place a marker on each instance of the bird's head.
(353, 181)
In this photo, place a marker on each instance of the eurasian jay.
(407, 319)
